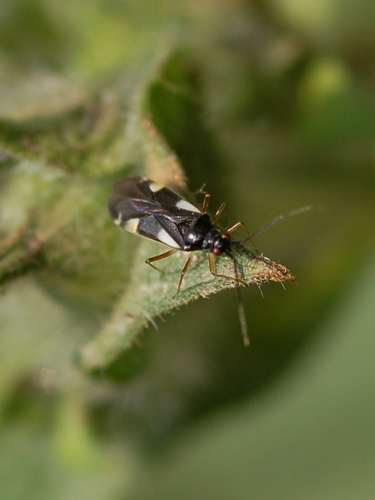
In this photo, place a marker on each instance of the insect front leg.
(238, 224)
(160, 257)
(235, 226)
(211, 261)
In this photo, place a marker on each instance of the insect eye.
(217, 251)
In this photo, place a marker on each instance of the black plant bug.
(149, 209)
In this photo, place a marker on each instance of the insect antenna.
(241, 309)
(279, 218)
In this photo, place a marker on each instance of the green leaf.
(151, 295)
(56, 218)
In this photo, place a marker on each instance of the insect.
(149, 209)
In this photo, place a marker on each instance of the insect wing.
(144, 207)
(162, 230)
(132, 199)
(133, 187)
(140, 188)
(136, 197)
(175, 204)
(123, 209)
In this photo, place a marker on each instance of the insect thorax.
(203, 235)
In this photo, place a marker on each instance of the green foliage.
(272, 107)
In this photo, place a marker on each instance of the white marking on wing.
(132, 225)
(185, 205)
(165, 238)
(154, 186)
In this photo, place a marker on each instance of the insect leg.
(211, 262)
(160, 257)
(206, 200)
(238, 224)
(201, 190)
(219, 211)
(184, 271)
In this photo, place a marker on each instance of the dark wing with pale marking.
(140, 188)
(136, 197)
(144, 207)
(131, 199)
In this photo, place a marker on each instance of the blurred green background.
(272, 105)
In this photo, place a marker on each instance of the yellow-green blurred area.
(272, 105)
